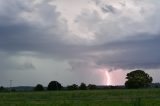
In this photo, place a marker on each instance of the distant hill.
(23, 88)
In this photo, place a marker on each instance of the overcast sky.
(74, 41)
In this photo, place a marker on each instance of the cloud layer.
(96, 34)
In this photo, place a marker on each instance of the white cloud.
(130, 20)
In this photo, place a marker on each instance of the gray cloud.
(133, 54)
(108, 8)
(127, 39)
(20, 34)
(8, 63)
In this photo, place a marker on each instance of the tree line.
(55, 85)
(134, 79)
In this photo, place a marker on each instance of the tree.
(2, 89)
(83, 86)
(138, 79)
(72, 87)
(91, 86)
(39, 87)
(54, 85)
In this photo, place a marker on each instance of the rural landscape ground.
(117, 97)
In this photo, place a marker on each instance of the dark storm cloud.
(47, 35)
(18, 34)
(133, 54)
(124, 41)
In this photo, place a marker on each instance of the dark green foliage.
(83, 86)
(39, 87)
(13, 90)
(2, 89)
(91, 86)
(138, 79)
(54, 85)
(72, 87)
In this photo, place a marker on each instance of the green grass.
(140, 97)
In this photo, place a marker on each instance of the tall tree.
(39, 87)
(2, 89)
(54, 85)
(83, 86)
(138, 79)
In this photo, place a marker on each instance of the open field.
(141, 97)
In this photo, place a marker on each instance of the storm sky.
(74, 41)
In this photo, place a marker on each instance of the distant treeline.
(135, 79)
(54, 86)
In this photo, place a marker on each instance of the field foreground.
(141, 97)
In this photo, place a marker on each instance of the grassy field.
(141, 97)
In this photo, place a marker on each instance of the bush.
(72, 87)
(91, 86)
(39, 87)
